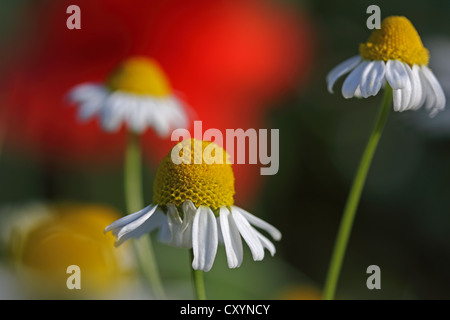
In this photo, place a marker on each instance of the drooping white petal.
(161, 121)
(90, 99)
(137, 116)
(364, 83)
(430, 98)
(396, 74)
(115, 112)
(439, 101)
(416, 97)
(154, 221)
(204, 239)
(174, 222)
(248, 233)
(397, 99)
(135, 225)
(372, 79)
(129, 218)
(219, 230)
(266, 243)
(189, 210)
(353, 80)
(341, 69)
(402, 97)
(406, 94)
(231, 239)
(85, 91)
(358, 93)
(257, 222)
(165, 235)
(90, 108)
(176, 113)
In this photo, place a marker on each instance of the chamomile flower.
(137, 94)
(193, 206)
(393, 54)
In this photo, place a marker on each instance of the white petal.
(358, 93)
(249, 234)
(165, 235)
(219, 231)
(150, 110)
(177, 115)
(430, 98)
(397, 99)
(204, 239)
(365, 83)
(90, 99)
(257, 222)
(129, 218)
(436, 89)
(137, 119)
(372, 79)
(396, 74)
(90, 108)
(231, 239)
(401, 97)
(135, 228)
(161, 121)
(186, 227)
(174, 221)
(84, 92)
(340, 70)
(133, 225)
(416, 97)
(155, 221)
(353, 80)
(266, 243)
(406, 94)
(115, 112)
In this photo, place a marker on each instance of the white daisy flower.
(393, 54)
(193, 207)
(136, 94)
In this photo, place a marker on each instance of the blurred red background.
(227, 60)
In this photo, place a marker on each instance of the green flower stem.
(197, 278)
(353, 198)
(134, 202)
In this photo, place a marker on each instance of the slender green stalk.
(353, 198)
(134, 202)
(197, 278)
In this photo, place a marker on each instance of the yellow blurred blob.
(72, 234)
(142, 76)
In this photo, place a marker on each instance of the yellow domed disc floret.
(396, 40)
(140, 75)
(199, 177)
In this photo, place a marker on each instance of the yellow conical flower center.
(396, 40)
(140, 75)
(202, 176)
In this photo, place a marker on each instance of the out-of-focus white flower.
(137, 94)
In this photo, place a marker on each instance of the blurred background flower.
(42, 241)
(238, 64)
(300, 292)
